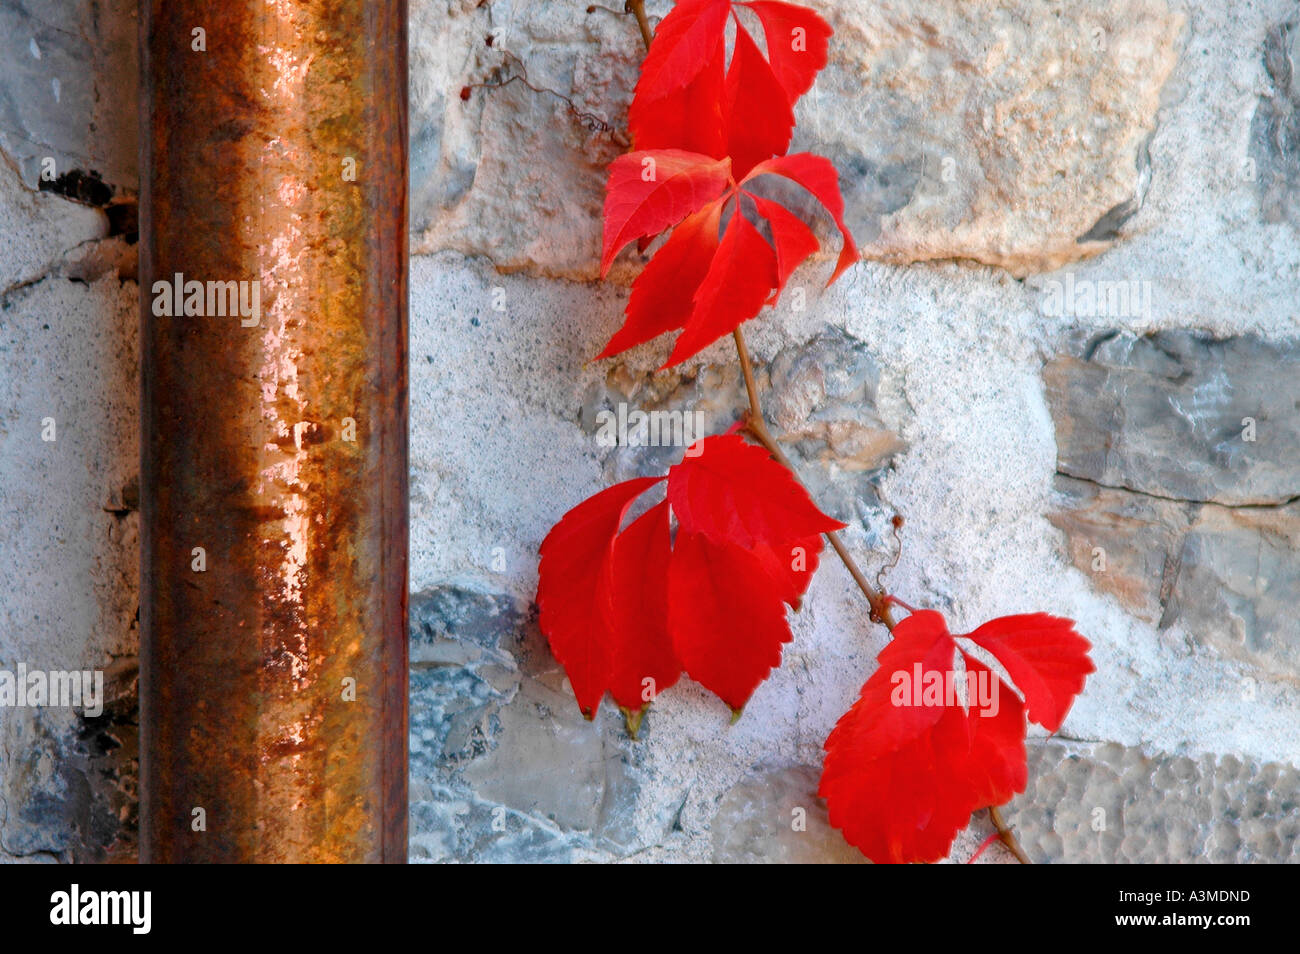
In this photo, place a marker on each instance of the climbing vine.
(702, 582)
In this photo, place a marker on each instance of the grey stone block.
(1181, 415)
(503, 765)
(1107, 803)
(775, 817)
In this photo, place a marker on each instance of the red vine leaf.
(796, 43)
(1046, 659)
(699, 124)
(573, 592)
(683, 42)
(663, 295)
(791, 566)
(643, 660)
(679, 99)
(793, 240)
(818, 176)
(909, 762)
(759, 118)
(690, 117)
(734, 492)
(727, 620)
(995, 767)
(649, 192)
(739, 280)
(726, 282)
(625, 610)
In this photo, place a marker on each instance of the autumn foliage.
(907, 765)
(628, 608)
(696, 572)
(706, 133)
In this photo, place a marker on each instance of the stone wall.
(1069, 359)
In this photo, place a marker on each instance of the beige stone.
(1009, 132)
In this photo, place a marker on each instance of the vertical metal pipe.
(274, 457)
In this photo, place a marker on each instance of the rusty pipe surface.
(274, 453)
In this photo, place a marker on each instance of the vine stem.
(1007, 835)
(881, 610)
(637, 9)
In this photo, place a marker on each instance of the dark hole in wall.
(89, 188)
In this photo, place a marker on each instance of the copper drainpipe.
(274, 454)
